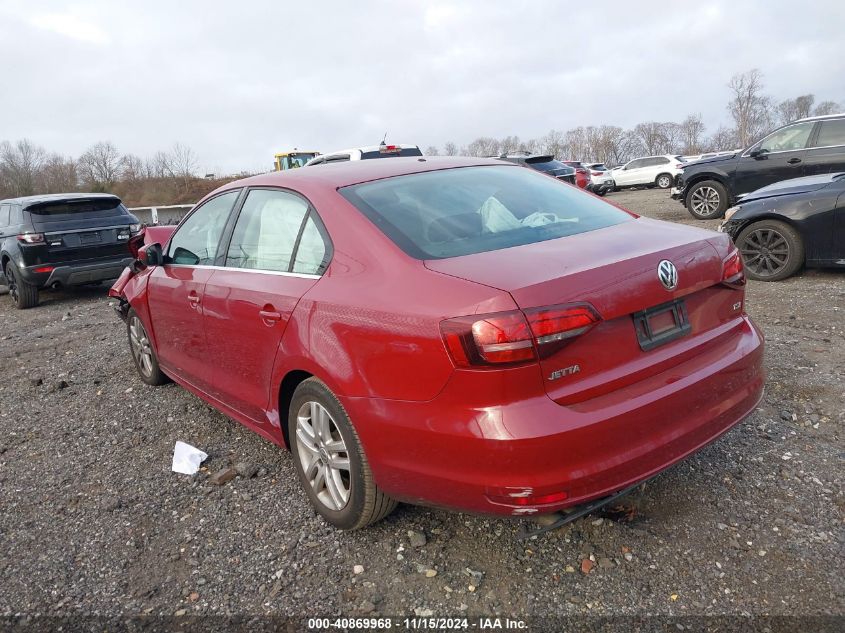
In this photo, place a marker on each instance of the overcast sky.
(239, 81)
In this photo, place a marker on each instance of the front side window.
(195, 242)
(270, 226)
(453, 212)
(788, 139)
(831, 133)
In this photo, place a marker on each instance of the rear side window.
(195, 242)
(831, 133)
(5, 214)
(469, 210)
(267, 230)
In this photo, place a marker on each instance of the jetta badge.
(667, 274)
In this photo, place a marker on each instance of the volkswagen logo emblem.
(667, 274)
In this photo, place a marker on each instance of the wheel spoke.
(306, 442)
(339, 463)
(335, 491)
(319, 481)
(336, 446)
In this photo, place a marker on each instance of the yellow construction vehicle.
(292, 160)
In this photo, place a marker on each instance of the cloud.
(70, 26)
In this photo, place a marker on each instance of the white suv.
(365, 153)
(649, 170)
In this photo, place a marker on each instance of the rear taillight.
(596, 173)
(489, 339)
(554, 326)
(31, 238)
(733, 273)
(44, 269)
(516, 336)
(679, 166)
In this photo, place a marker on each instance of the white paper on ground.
(187, 459)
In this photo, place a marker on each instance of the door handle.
(794, 161)
(270, 315)
(193, 299)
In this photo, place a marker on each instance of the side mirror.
(151, 255)
(756, 153)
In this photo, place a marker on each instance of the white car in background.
(365, 153)
(659, 171)
(600, 175)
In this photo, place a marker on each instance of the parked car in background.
(793, 223)
(815, 145)
(65, 239)
(582, 174)
(369, 316)
(543, 163)
(365, 153)
(658, 171)
(600, 177)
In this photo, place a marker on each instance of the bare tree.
(131, 168)
(483, 146)
(511, 144)
(793, 109)
(99, 165)
(159, 166)
(450, 149)
(19, 166)
(749, 107)
(692, 135)
(722, 139)
(655, 137)
(57, 175)
(827, 107)
(183, 161)
(432, 150)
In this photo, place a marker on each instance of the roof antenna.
(384, 140)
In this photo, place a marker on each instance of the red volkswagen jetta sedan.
(455, 332)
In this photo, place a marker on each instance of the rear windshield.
(77, 209)
(469, 210)
(405, 151)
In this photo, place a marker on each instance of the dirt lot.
(93, 521)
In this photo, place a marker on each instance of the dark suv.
(807, 147)
(68, 239)
(544, 163)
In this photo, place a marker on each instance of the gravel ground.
(93, 521)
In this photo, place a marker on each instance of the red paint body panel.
(370, 329)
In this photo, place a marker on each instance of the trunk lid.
(82, 228)
(615, 270)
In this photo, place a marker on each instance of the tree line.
(170, 177)
(752, 113)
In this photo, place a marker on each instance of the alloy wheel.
(140, 344)
(323, 455)
(663, 182)
(765, 252)
(11, 284)
(705, 200)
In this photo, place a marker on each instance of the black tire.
(664, 181)
(771, 250)
(365, 503)
(707, 200)
(143, 355)
(24, 294)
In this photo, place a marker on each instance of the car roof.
(337, 175)
(821, 117)
(29, 201)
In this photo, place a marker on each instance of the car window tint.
(636, 164)
(661, 161)
(453, 212)
(195, 241)
(789, 138)
(831, 133)
(5, 214)
(311, 252)
(266, 231)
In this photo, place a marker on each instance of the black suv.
(546, 164)
(807, 147)
(68, 239)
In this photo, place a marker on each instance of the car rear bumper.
(74, 273)
(455, 453)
